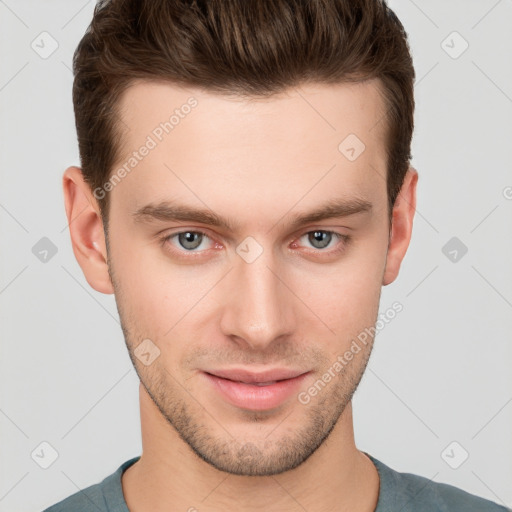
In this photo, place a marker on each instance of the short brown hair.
(242, 47)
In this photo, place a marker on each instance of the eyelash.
(165, 241)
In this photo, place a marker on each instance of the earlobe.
(86, 230)
(401, 227)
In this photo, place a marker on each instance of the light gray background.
(440, 371)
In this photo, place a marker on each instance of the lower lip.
(253, 397)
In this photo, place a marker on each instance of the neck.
(170, 476)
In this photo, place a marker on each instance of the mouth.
(271, 375)
(255, 391)
(260, 383)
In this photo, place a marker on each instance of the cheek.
(346, 305)
(141, 284)
(155, 294)
(346, 295)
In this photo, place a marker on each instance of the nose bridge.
(259, 310)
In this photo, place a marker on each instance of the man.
(245, 192)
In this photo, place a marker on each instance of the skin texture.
(298, 305)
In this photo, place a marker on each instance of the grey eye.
(320, 239)
(190, 239)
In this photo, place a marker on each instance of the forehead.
(261, 147)
(305, 110)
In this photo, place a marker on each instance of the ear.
(86, 230)
(401, 226)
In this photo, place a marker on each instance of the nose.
(259, 306)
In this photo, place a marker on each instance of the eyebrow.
(175, 212)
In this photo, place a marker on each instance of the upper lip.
(241, 375)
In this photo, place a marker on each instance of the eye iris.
(323, 238)
(189, 239)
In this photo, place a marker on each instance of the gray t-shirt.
(399, 492)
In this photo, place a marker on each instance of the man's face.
(264, 293)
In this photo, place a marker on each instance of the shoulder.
(90, 498)
(105, 496)
(409, 492)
